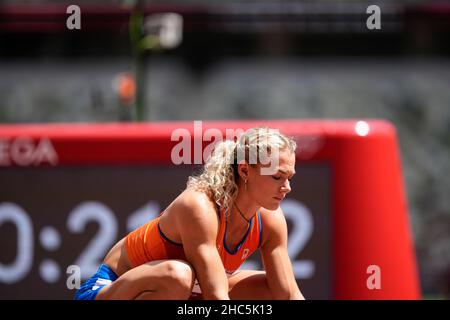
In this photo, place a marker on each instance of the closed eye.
(278, 178)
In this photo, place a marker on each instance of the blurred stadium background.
(250, 60)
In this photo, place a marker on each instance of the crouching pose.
(195, 247)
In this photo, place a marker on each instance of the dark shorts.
(90, 288)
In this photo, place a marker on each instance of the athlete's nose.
(286, 188)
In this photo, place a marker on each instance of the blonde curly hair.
(219, 176)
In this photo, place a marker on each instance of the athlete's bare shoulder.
(271, 216)
(196, 197)
(193, 203)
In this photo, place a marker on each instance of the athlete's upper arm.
(277, 263)
(275, 232)
(198, 224)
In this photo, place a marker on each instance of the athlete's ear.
(243, 170)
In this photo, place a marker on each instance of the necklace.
(240, 212)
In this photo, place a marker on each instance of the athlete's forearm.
(214, 283)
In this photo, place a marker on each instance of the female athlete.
(195, 247)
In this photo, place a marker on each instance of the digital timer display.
(55, 217)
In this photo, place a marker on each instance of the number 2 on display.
(92, 211)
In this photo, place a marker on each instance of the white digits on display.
(302, 229)
(303, 226)
(84, 213)
(23, 262)
(91, 257)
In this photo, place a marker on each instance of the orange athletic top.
(148, 243)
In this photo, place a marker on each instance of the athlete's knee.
(180, 275)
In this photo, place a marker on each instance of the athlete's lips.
(279, 198)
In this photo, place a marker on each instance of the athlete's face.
(268, 190)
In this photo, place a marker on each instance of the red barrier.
(369, 215)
